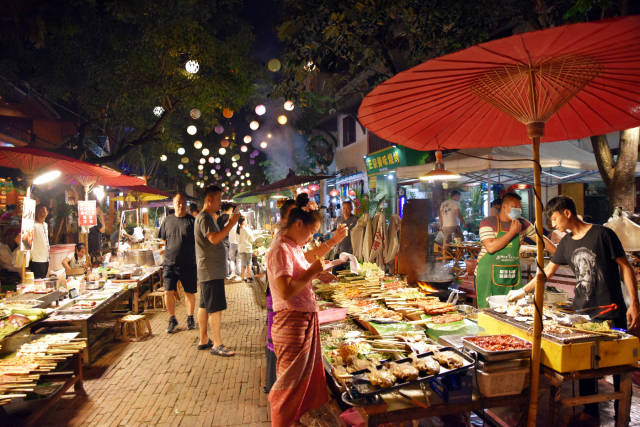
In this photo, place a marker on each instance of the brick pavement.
(165, 380)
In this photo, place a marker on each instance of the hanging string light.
(244, 149)
(260, 109)
(247, 139)
(222, 151)
(192, 130)
(254, 125)
(205, 151)
(264, 145)
(163, 158)
(197, 144)
(288, 105)
(180, 151)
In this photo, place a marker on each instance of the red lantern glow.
(224, 143)
(352, 192)
(334, 193)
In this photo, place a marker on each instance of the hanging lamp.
(439, 173)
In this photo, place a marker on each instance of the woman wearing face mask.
(498, 270)
(300, 385)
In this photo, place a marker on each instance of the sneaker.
(173, 323)
(191, 323)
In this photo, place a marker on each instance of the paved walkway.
(165, 380)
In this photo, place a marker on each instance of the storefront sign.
(28, 218)
(87, 216)
(393, 157)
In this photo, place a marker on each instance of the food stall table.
(556, 401)
(91, 326)
(149, 281)
(377, 415)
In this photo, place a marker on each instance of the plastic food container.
(504, 383)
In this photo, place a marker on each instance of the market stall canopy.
(560, 161)
(33, 161)
(291, 180)
(141, 193)
(247, 198)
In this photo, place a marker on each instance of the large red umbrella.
(34, 161)
(562, 83)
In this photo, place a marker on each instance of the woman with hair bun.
(300, 385)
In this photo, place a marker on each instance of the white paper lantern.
(247, 139)
(260, 109)
(264, 145)
(254, 125)
(288, 105)
(180, 151)
(192, 66)
(205, 151)
(192, 130)
(222, 151)
(197, 144)
(163, 158)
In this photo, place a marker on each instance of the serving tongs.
(605, 309)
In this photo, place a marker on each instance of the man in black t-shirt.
(598, 261)
(179, 260)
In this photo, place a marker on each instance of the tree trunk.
(618, 175)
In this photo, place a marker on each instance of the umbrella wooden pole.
(536, 354)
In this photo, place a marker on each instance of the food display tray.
(495, 356)
(361, 387)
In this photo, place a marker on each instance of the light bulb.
(202, 161)
(200, 167)
(180, 151)
(192, 66)
(197, 144)
(254, 125)
(192, 130)
(247, 139)
(244, 149)
(211, 160)
(234, 164)
(180, 166)
(288, 105)
(264, 145)
(282, 119)
(205, 151)
(217, 160)
(260, 109)
(163, 158)
(222, 151)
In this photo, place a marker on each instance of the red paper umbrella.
(33, 161)
(562, 83)
(579, 80)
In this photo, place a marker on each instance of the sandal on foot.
(205, 346)
(222, 351)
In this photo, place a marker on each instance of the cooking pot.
(139, 257)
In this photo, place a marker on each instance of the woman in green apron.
(499, 272)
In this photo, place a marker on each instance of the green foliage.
(114, 61)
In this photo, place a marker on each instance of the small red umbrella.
(34, 161)
(561, 83)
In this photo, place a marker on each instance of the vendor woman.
(498, 270)
(76, 260)
(300, 385)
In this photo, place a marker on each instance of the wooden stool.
(135, 324)
(153, 297)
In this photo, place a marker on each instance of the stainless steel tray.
(495, 356)
(361, 387)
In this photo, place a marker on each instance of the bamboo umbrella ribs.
(562, 83)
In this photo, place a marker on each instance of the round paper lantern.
(218, 129)
(205, 151)
(334, 193)
(197, 144)
(192, 66)
(195, 113)
(314, 187)
(211, 160)
(181, 166)
(248, 182)
(227, 113)
(289, 106)
(282, 119)
(180, 151)
(158, 110)
(260, 109)
(163, 158)
(203, 161)
(228, 173)
(240, 167)
(247, 139)
(224, 143)
(222, 151)
(352, 192)
(200, 167)
(217, 159)
(274, 65)
(264, 145)
(192, 130)
(244, 149)
(254, 125)
(234, 165)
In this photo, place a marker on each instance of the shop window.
(348, 131)
(376, 143)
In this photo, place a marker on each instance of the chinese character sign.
(87, 213)
(28, 218)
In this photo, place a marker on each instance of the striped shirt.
(489, 230)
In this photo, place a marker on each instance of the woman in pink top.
(300, 384)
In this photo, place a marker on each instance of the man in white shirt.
(40, 249)
(233, 260)
(449, 216)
